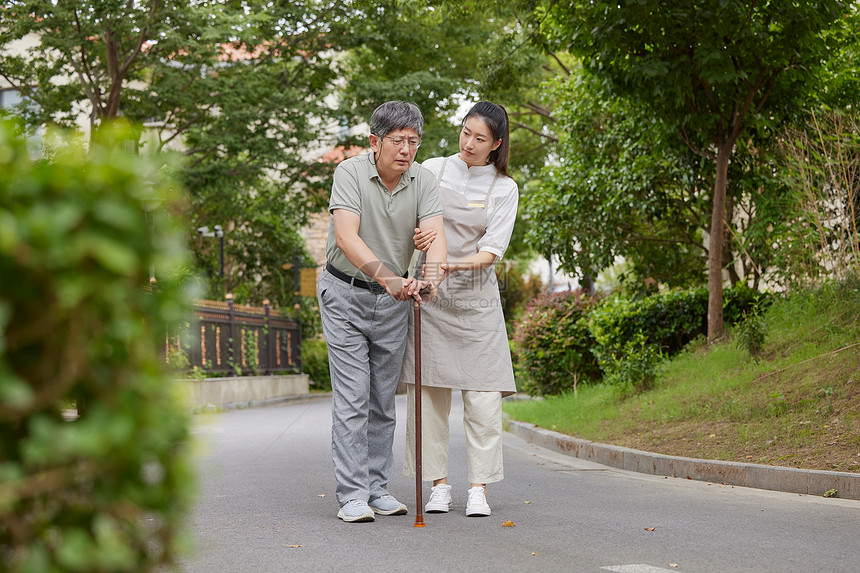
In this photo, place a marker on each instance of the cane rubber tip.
(419, 521)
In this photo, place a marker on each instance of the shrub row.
(553, 343)
(107, 491)
(570, 337)
(668, 320)
(315, 363)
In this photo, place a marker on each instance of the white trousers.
(482, 420)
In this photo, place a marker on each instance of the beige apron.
(464, 344)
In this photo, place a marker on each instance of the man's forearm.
(437, 255)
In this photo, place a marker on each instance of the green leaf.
(9, 237)
(36, 559)
(15, 392)
(75, 550)
(114, 552)
(112, 253)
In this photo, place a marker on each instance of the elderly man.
(377, 200)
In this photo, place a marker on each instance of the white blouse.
(473, 183)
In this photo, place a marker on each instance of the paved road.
(264, 472)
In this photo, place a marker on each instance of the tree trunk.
(715, 245)
(587, 283)
(111, 109)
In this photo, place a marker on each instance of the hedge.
(570, 336)
(667, 320)
(106, 491)
(315, 363)
(553, 344)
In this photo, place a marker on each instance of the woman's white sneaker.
(440, 499)
(477, 505)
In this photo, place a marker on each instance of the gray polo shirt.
(387, 218)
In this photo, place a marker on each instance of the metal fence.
(237, 339)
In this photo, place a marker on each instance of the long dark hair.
(496, 119)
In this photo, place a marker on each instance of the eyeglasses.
(399, 141)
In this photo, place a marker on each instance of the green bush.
(315, 363)
(741, 300)
(565, 337)
(106, 491)
(517, 289)
(668, 320)
(635, 367)
(750, 334)
(553, 343)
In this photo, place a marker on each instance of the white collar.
(479, 169)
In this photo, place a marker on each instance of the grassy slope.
(798, 406)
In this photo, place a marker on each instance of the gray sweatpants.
(366, 338)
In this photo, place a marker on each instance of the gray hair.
(396, 115)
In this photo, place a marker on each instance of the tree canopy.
(238, 88)
(709, 69)
(639, 129)
(622, 186)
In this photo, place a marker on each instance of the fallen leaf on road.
(535, 553)
(508, 523)
(295, 546)
(675, 565)
(650, 528)
(526, 501)
(320, 495)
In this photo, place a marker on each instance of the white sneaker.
(440, 499)
(477, 505)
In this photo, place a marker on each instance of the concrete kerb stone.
(281, 400)
(234, 392)
(791, 480)
(821, 482)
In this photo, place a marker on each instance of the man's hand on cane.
(401, 288)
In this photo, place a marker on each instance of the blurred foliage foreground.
(80, 231)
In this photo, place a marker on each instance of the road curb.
(791, 480)
(278, 401)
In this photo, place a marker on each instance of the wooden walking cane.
(419, 504)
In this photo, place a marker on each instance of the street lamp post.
(217, 231)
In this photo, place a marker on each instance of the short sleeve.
(429, 202)
(500, 223)
(345, 190)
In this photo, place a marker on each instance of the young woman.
(464, 342)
